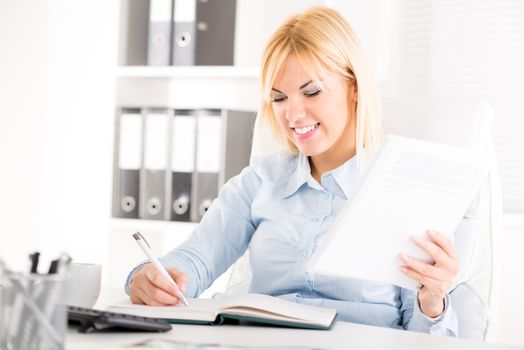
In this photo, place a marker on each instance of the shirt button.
(315, 219)
(305, 253)
(325, 196)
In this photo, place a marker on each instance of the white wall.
(56, 92)
(512, 282)
(79, 129)
(23, 43)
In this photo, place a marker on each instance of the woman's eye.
(278, 98)
(312, 93)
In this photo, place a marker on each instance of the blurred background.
(66, 67)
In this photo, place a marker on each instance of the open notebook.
(249, 307)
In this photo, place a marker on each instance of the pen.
(147, 250)
(53, 267)
(34, 262)
(58, 267)
(59, 264)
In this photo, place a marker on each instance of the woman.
(320, 102)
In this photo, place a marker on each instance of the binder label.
(130, 145)
(183, 155)
(160, 11)
(209, 144)
(156, 142)
(185, 10)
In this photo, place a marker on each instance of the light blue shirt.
(278, 211)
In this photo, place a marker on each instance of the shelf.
(189, 87)
(135, 224)
(206, 72)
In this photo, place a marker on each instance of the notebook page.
(198, 310)
(259, 305)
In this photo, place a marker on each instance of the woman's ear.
(353, 90)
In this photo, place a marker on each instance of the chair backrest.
(465, 123)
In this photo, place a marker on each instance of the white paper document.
(411, 186)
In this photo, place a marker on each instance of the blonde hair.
(321, 38)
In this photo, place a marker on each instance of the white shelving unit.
(188, 87)
(192, 87)
(197, 72)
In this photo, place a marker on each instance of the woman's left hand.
(435, 279)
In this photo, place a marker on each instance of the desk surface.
(341, 336)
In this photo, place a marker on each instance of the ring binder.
(215, 36)
(170, 164)
(154, 176)
(184, 32)
(159, 33)
(128, 161)
(183, 145)
(208, 154)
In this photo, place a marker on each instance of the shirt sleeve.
(414, 319)
(219, 240)
(447, 323)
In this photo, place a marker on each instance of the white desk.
(341, 336)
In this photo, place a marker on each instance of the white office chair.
(463, 123)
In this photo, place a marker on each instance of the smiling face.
(318, 120)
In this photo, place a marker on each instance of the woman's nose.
(295, 111)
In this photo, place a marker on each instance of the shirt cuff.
(132, 274)
(445, 324)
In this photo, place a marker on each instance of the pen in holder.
(33, 313)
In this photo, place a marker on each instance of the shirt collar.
(346, 177)
(298, 177)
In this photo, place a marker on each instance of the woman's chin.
(309, 151)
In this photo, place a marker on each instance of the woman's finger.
(135, 297)
(138, 296)
(149, 287)
(439, 256)
(147, 299)
(179, 277)
(156, 296)
(161, 282)
(443, 242)
(434, 287)
(420, 278)
(427, 270)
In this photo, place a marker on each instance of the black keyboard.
(92, 320)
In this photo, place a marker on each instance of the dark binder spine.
(215, 32)
(182, 164)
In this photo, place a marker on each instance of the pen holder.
(32, 311)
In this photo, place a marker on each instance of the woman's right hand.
(149, 287)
